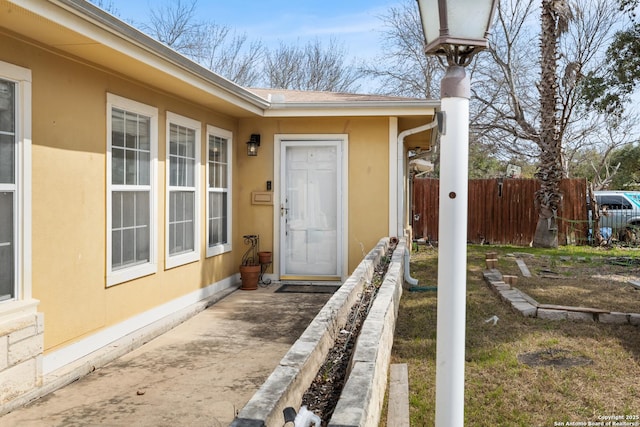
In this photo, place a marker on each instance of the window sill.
(128, 274)
(10, 310)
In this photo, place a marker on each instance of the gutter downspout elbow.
(407, 270)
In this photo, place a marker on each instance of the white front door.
(311, 207)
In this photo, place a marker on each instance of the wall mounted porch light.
(253, 144)
(457, 30)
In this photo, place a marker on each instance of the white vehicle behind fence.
(619, 212)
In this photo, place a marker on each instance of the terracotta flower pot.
(249, 275)
(264, 257)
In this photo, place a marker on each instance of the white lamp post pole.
(457, 30)
(452, 249)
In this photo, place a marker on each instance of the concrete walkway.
(198, 374)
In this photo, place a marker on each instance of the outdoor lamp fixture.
(253, 144)
(455, 30)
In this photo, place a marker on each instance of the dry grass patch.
(500, 389)
(598, 282)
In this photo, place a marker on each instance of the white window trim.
(151, 267)
(188, 257)
(23, 227)
(228, 135)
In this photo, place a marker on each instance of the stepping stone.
(523, 267)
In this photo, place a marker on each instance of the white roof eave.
(368, 108)
(158, 53)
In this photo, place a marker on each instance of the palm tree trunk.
(549, 174)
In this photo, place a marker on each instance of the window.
(131, 164)
(15, 163)
(218, 191)
(183, 160)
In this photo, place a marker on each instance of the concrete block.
(580, 316)
(523, 267)
(492, 276)
(13, 325)
(351, 408)
(544, 313)
(501, 287)
(23, 333)
(17, 379)
(614, 318)
(634, 319)
(512, 295)
(266, 400)
(4, 352)
(28, 348)
(524, 308)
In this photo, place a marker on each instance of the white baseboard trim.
(103, 338)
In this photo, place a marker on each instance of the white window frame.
(191, 256)
(22, 187)
(228, 135)
(139, 270)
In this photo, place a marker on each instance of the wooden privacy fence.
(502, 211)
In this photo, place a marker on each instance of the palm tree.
(555, 18)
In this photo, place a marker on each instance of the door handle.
(283, 211)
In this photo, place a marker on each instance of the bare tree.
(214, 46)
(404, 69)
(311, 67)
(175, 25)
(231, 55)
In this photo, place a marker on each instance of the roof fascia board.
(337, 109)
(98, 25)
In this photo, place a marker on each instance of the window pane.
(7, 106)
(222, 180)
(128, 246)
(190, 139)
(128, 209)
(143, 218)
(117, 166)
(181, 221)
(117, 128)
(131, 168)
(131, 130)
(7, 158)
(182, 146)
(7, 247)
(217, 218)
(131, 221)
(142, 244)
(144, 165)
(116, 248)
(116, 210)
(144, 133)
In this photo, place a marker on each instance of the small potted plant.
(250, 268)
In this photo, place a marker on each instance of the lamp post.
(456, 30)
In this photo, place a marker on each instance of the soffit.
(131, 54)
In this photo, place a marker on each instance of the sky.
(352, 23)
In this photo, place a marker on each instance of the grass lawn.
(501, 390)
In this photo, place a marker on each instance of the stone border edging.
(363, 394)
(528, 307)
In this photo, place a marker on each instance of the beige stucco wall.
(69, 197)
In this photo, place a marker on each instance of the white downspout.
(401, 192)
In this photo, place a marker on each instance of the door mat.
(308, 289)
